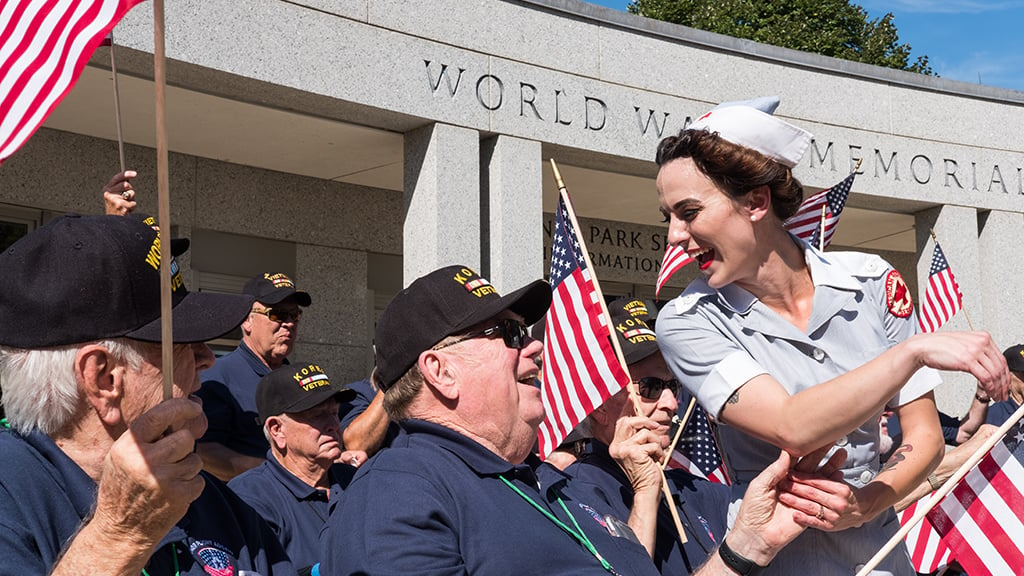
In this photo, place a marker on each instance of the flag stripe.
(942, 299)
(980, 520)
(581, 370)
(44, 45)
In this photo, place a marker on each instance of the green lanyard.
(578, 534)
(174, 555)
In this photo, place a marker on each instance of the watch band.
(934, 481)
(739, 564)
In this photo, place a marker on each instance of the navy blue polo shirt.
(703, 508)
(295, 510)
(229, 401)
(1000, 412)
(44, 496)
(434, 503)
(353, 408)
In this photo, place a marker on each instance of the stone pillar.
(334, 328)
(442, 199)
(1002, 292)
(511, 191)
(956, 227)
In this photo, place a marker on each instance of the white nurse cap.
(750, 124)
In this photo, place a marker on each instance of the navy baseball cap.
(1015, 357)
(442, 303)
(270, 288)
(297, 387)
(84, 278)
(178, 245)
(630, 319)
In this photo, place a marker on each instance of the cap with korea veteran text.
(296, 387)
(440, 304)
(630, 319)
(84, 278)
(269, 289)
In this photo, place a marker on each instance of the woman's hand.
(971, 352)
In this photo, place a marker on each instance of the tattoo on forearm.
(734, 399)
(897, 457)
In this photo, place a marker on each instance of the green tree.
(834, 28)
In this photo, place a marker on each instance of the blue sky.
(963, 39)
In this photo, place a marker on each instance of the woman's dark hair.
(735, 169)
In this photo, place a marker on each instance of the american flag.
(806, 223)
(697, 450)
(928, 552)
(580, 367)
(982, 519)
(942, 299)
(675, 258)
(44, 45)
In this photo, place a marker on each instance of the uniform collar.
(255, 361)
(299, 489)
(79, 487)
(477, 457)
(824, 272)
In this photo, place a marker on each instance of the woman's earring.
(753, 218)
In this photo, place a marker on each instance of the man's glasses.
(651, 387)
(280, 315)
(513, 332)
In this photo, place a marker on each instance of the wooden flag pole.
(941, 493)
(962, 308)
(679, 431)
(163, 201)
(821, 226)
(117, 105)
(633, 394)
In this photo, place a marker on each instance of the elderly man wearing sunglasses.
(234, 441)
(458, 491)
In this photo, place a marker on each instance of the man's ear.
(439, 372)
(276, 432)
(101, 381)
(247, 325)
(601, 416)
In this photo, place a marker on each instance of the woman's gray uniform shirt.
(715, 341)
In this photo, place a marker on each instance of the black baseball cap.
(297, 387)
(178, 245)
(1015, 357)
(84, 278)
(630, 319)
(270, 288)
(442, 303)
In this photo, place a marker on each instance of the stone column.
(442, 199)
(956, 227)
(511, 191)
(1002, 292)
(334, 328)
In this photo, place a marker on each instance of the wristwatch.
(739, 564)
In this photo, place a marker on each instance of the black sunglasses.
(513, 332)
(650, 387)
(280, 315)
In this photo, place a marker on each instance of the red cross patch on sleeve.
(897, 296)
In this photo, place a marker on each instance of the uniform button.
(866, 476)
(687, 302)
(818, 354)
(843, 441)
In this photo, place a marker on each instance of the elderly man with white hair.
(100, 474)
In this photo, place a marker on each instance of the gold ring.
(821, 512)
